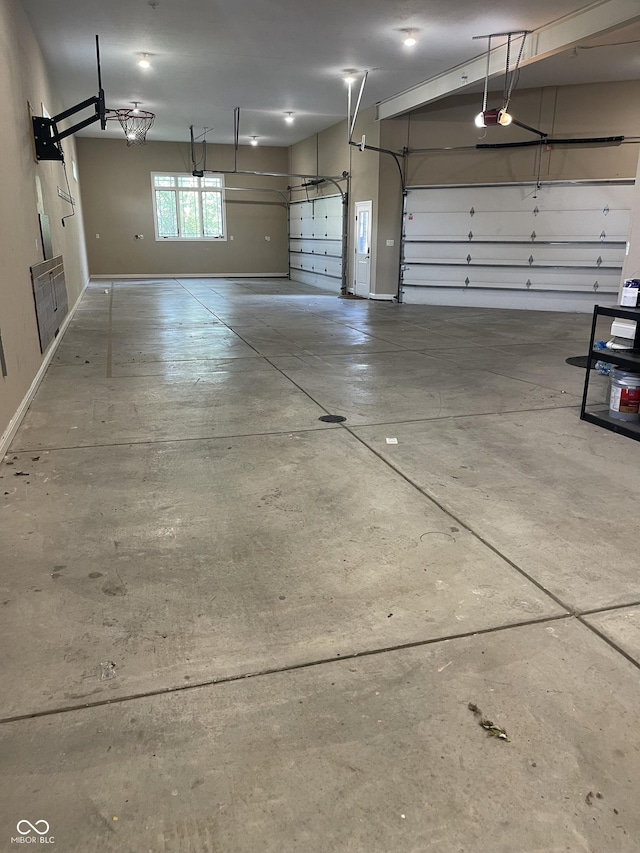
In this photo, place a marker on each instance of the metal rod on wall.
(357, 109)
(332, 179)
(344, 287)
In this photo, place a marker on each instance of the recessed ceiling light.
(288, 117)
(349, 76)
(254, 140)
(144, 62)
(135, 107)
(410, 38)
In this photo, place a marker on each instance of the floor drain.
(332, 419)
(578, 361)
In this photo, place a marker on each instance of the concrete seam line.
(231, 679)
(176, 440)
(611, 643)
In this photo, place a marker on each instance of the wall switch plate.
(231, 237)
(391, 242)
(97, 236)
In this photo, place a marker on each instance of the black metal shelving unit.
(629, 359)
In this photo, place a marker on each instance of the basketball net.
(135, 124)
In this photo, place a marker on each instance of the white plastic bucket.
(624, 403)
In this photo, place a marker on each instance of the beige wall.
(23, 80)
(602, 109)
(116, 183)
(328, 153)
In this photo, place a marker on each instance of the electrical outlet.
(97, 236)
(231, 237)
(268, 239)
(391, 242)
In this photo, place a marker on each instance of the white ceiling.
(270, 56)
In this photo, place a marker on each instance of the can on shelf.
(624, 402)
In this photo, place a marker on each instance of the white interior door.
(362, 265)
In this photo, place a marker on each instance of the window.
(188, 208)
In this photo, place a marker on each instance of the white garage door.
(516, 241)
(315, 242)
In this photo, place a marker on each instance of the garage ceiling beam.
(564, 34)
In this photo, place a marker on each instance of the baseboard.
(8, 435)
(386, 297)
(191, 275)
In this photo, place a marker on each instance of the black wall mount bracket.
(46, 135)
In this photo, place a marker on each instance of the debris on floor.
(490, 727)
(589, 798)
(107, 670)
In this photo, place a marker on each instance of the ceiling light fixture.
(135, 107)
(288, 117)
(349, 76)
(144, 62)
(254, 140)
(501, 116)
(410, 38)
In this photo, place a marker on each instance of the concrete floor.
(300, 613)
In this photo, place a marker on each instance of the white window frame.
(199, 190)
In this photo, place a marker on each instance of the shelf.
(630, 360)
(619, 311)
(603, 418)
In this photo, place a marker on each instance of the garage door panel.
(508, 197)
(315, 241)
(553, 237)
(514, 225)
(525, 254)
(511, 278)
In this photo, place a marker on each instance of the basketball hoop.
(135, 124)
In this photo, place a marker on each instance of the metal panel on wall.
(50, 296)
(558, 237)
(315, 242)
